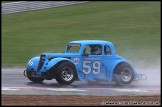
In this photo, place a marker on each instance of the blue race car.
(82, 60)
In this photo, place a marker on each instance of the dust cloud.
(152, 72)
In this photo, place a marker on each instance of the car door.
(92, 63)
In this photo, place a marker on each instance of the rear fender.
(114, 64)
(33, 63)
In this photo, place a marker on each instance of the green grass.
(133, 27)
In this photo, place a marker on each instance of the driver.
(96, 50)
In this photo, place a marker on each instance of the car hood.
(65, 55)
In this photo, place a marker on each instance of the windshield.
(73, 48)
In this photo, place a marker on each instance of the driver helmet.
(96, 50)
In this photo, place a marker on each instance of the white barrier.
(21, 6)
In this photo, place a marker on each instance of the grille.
(41, 61)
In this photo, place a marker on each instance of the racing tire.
(66, 73)
(34, 79)
(124, 73)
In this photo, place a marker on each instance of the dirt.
(76, 100)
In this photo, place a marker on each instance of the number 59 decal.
(95, 67)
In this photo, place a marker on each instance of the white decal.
(87, 68)
(96, 67)
(30, 63)
(76, 59)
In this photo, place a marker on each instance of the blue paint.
(88, 66)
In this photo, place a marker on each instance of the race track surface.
(13, 82)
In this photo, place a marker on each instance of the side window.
(93, 50)
(107, 50)
(87, 50)
(96, 49)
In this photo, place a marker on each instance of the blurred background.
(133, 28)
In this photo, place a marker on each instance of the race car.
(82, 60)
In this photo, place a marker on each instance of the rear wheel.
(66, 73)
(124, 73)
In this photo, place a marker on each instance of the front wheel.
(124, 73)
(65, 73)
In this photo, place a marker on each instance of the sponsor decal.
(76, 60)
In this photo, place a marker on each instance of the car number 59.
(95, 67)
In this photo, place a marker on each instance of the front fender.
(54, 61)
(33, 63)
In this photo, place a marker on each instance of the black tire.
(34, 79)
(124, 73)
(66, 73)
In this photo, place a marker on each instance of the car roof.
(84, 42)
(102, 42)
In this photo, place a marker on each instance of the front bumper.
(30, 73)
